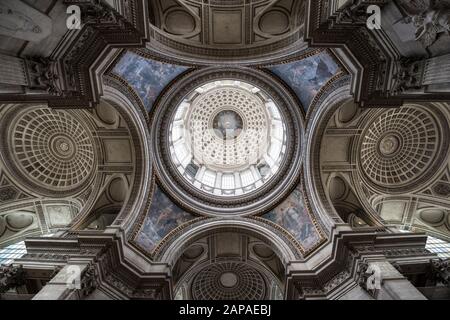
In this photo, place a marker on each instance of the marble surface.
(307, 76)
(147, 77)
(292, 215)
(163, 217)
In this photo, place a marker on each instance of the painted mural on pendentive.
(147, 77)
(306, 77)
(292, 215)
(163, 217)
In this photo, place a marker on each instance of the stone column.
(32, 75)
(218, 183)
(73, 282)
(13, 71)
(436, 76)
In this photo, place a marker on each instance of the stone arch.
(139, 184)
(173, 251)
(331, 99)
(256, 202)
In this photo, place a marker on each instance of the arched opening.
(228, 266)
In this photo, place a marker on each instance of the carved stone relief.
(20, 20)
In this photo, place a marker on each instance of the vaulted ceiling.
(102, 142)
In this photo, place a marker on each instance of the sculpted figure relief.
(14, 20)
(430, 24)
(430, 19)
(22, 21)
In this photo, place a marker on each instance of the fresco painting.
(306, 77)
(292, 215)
(147, 77)
(163, 217)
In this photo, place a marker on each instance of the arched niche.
(230, 266)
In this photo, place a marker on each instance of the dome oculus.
(227, 125)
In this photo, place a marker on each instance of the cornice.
(329, 26)
(103, 28)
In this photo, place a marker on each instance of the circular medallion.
(389, 145)
(229, 279)
(62, 146)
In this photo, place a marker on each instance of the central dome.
(227, 141)
(227, 138)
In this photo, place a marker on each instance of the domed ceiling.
(227, 138)
(63, 168)
(225, 149)
(391, 167)
(220, 135)
(52, 149)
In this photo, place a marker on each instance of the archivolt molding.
(136, 119)
(282, 246)
(337, 93)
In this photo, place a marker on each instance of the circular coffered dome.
(226, 141)
(50, 150)
(402, 146)
(229, 281)
(227, 138)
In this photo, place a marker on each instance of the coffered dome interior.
(224, 149)
(227, 138)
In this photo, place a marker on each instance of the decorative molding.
(11, 277)
(66, 78)
(331, 24)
